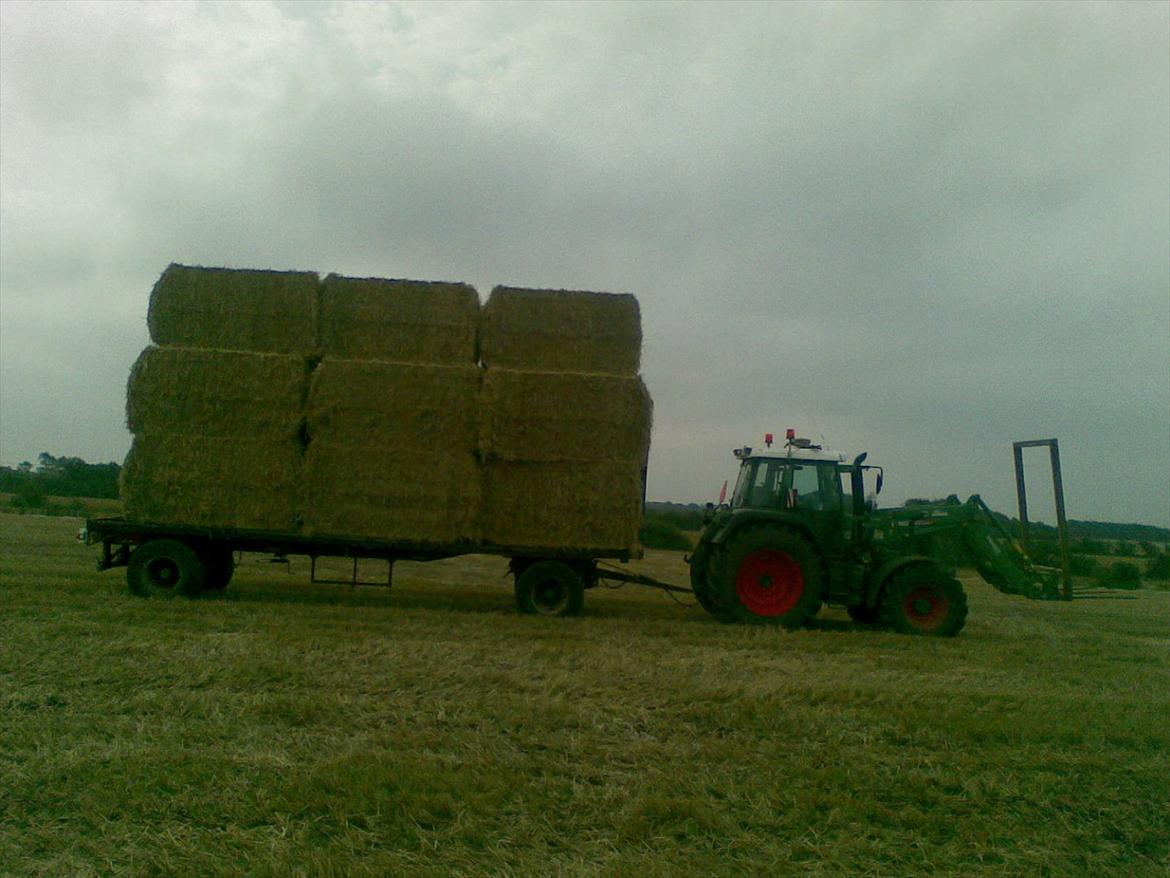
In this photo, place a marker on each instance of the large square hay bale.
(368, 492)
(588, 507)
(561, 331)
(403, 320)
(564, 416)
(216, 393)
(394, 405)
(235, 309)
(202, 481)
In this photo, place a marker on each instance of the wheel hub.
(769, 582)
(926, 608)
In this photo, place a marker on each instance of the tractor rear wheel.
(926, 602)
(550, 588)
(769, 576)
(165, 568)
(702, 567)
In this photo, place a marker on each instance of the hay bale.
(200, 481)
(401, 320)
(365, 492)
(561, 331)
(394, 405)
(216, 393)
(564, 416)
(235, 309)
(590, 507)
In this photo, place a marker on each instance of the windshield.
(777, 483)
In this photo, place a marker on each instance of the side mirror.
(878, 488)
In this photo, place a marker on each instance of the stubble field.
(291, 729)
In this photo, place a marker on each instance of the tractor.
(799, 532)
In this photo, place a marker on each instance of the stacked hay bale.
(216, 408)
(389, 411)
(565, 421)
(392, 413)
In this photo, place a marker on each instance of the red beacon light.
(767, 440)
(790, 433)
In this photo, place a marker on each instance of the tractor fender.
(882, 575)
(748, 518)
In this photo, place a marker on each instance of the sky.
(919, 230)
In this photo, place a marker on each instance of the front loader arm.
(971, 531)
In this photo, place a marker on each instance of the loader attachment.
(969, 533)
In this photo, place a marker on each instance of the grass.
(293, 729)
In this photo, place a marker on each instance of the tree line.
(59, 477)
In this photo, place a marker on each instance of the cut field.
(288, 729)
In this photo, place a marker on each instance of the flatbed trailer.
(164, 560)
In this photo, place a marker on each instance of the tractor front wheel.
(550, 588)
(925, 602)
(770, 577)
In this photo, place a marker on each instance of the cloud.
(921, 230)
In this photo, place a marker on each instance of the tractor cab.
(799, 477)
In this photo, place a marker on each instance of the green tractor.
(798, 532)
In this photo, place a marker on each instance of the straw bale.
(199, 481)
(563, 505)
(402, 320)
(235, 309)
(561, 331)
(364, 491)
(394, 405)
(564, 416)
(216, 393)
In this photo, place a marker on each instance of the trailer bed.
(122, 533)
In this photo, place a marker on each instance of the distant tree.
(1123, 574)
(1159, 568)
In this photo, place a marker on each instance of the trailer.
(166, 561)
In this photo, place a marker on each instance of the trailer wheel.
(165, 568)
(925, 601)
(219, 563)
(769, 576)
(550, 588)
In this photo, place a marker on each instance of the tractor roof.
(811, 455)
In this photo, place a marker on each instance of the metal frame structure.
(1058, 498)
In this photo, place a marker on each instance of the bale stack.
(392, 413)
(565, 420)
(216, 408)
(389, 411)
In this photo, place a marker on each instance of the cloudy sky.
(919, 230)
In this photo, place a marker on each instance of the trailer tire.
(165, 568)
(769, 576)
(549, 588)
(923, 601)
(219, 563)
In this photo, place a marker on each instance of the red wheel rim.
(769, 582)
(926, 608)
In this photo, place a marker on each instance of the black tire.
(864, 615)
(769, 576)
(701, 585)
(219, 563)
(165, 568)
(550, 588)
(926, 602)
